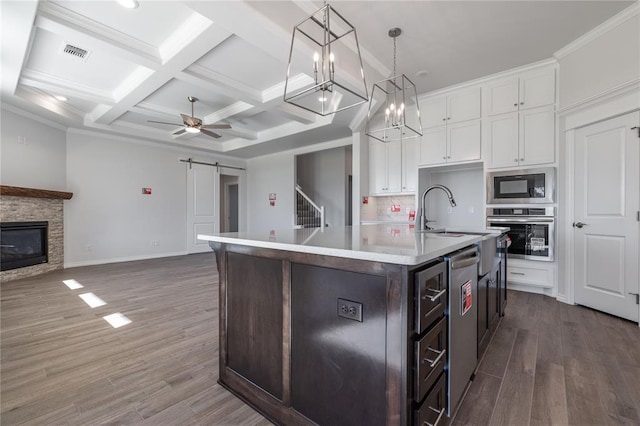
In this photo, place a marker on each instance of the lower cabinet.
(488, 305)
(434, 407)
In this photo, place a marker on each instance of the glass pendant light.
(325, 73)
(393, 109)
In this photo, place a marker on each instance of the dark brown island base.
(349, 326)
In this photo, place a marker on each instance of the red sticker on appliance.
(466, 297)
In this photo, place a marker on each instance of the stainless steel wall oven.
(532, 231)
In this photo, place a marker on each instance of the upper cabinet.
(461, 105)
(529, 90)
(452, 143)
(451, 125)
(522, 138)
(393, 167)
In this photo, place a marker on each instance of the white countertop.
(398, 244)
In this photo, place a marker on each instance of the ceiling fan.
(192, 124)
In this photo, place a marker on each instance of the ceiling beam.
(17, 19)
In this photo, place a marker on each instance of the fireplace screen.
(22, 244)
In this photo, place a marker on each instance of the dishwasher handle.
(464, 258)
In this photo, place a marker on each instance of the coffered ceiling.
(141, 64)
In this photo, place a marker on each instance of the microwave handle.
(518, 220)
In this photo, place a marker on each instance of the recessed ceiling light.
(422, 73)
(129, 4)
(61, 98)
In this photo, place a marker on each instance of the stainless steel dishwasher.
(463, 322)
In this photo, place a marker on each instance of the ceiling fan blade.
(164, 122)
(208, 133)
(179, 132)
(215, 126)
(189, 121)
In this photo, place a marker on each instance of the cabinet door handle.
(448, 118)
(515, 160)
(444, 119)
(435, 296)
(433, 363)
(440, 414)
(444, 157)
(521, 103)
(516, 273)
(515, 104)
(522, 159)
(448, 156)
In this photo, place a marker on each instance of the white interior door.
(606, 227)
(203, 199)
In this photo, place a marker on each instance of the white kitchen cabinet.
(521, 138)
(531, 273)
(451, 143)
(529, 90)
(454, 107)
(385, 167)
(409, 165)
(393, 167)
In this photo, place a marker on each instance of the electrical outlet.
(449, 210)
(350, 310)
(23, 140)
(155, 243)
(88, 247)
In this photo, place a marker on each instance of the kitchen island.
(336, 326)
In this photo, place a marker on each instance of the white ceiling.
(232, 55)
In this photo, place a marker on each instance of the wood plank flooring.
(62, 363)
(555, 364)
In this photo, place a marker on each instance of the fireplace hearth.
(23, 244)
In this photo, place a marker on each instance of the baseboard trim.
(122, 259)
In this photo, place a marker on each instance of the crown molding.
(600, 30)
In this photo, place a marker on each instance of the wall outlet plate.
(350, 309)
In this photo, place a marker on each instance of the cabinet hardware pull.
(448, 118)
(444, 158)
(578, 225)
(515, 160)
(515, 104)
(516, 273)
(522, 159)
(637, 297)
(435, 296)
(440, 413)
(521, 103)
(434, 362)
(444, 119)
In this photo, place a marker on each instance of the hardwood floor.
(555, 364)
(62, 363)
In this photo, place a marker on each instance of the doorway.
(229, 203)
(606, 227)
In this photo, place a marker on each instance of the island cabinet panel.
(338, 364)
(254, 320)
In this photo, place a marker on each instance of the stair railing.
(308, 213)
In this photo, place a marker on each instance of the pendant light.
(393, 109)
(325, 73)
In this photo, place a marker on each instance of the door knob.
(579, 224)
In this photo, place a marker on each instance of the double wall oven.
(519, 197)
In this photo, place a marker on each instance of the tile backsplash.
(391, 208)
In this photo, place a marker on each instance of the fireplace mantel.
(18, 191)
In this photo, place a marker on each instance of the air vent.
(75, 52)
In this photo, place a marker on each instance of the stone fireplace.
(28, 205)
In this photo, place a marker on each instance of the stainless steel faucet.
(423, 216)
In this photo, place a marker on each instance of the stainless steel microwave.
(531, 186)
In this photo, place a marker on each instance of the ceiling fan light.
(129, 4)
(192, 130)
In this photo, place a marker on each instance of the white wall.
(33, 154)
(109, 219)
(467, 186)
(605, 62)
(276, 174)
